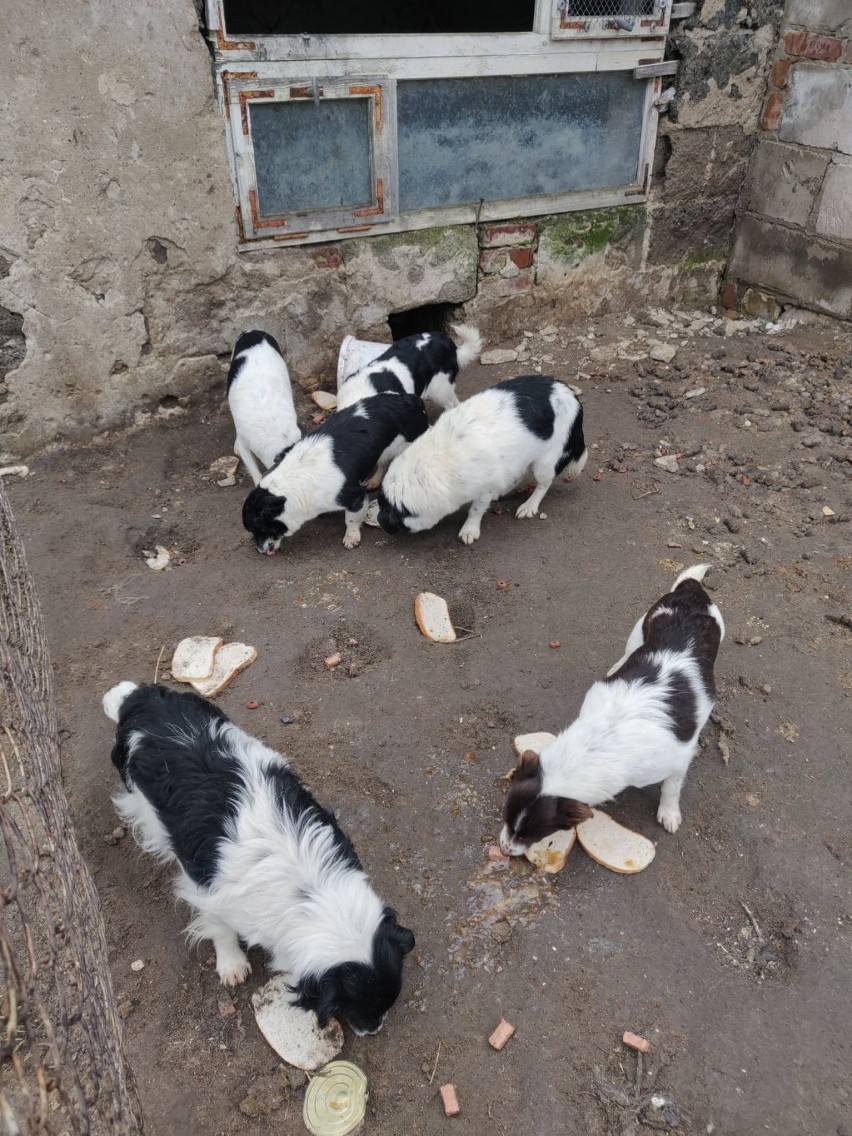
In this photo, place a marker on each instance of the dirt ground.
(731, 952)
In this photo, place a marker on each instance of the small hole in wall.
(428, 317)
(168, 401)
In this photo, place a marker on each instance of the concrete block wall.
(793, 237)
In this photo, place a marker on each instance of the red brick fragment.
(450, 1100)
(780, 72)
(634, 1041)
(812, 45)
(772, 111)
(523, 257)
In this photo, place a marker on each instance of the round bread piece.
(324, 400)
(551, 854)
(433, 618)
(613, 845)
(294, 1033)
(536, 742)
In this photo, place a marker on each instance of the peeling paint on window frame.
(273, 67)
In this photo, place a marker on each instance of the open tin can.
(336, 1100)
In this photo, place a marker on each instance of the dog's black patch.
(575, 446)
(682, 706)
(164, 750)
(687, 627)
(362, 432)
(531, 395)
(247, 340)
(386, 382)
(437, 353)
(638, 667)
(294, 797)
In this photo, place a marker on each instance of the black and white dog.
(326, 471)
(261, 401)
(425, 364)
(638, 726)
(480, 450)
(260, 860)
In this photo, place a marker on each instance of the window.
(347, 117)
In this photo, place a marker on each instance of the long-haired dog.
(425, 364)
(326, 471)
(259, 859)
(261, 401)
(638, 726)
(480, 450)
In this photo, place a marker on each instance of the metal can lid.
(336, 1100)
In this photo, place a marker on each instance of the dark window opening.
(375, 17)
(429, 317)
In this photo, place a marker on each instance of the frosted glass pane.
(311, 157)
(516, 136)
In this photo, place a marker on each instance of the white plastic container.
(355, 354)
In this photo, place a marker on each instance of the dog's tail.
(114, 699)
(696, 572)
(470, 343)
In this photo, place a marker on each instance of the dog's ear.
(318, 992)
(570, 812)
(528, 766)
(400, 936)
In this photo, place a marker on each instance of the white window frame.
(270, 65)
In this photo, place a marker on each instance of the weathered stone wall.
(793, 240)
(120, 279)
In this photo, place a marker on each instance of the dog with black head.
(426, 364)
(639, 726)
(329, 469)
(260, 861)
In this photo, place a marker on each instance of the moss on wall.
(574, 236)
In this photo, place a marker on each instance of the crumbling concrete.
(795, 233)
(122, 282)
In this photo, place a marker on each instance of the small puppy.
(259, 859)
(425, 364)
(480, 450)
(325, 471)
(261, 401)
(638, 726)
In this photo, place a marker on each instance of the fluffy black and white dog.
(260, 860)
(261, 401)
(326, 471)
(480, 450)
(639, 726)
(425, 364)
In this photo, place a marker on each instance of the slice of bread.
(293, 1033)
(613, 845)
(551, 854)
(536, 742)
(324, 400)
(229, 661)
(194, 657)
(433, 618)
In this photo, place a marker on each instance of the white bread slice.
(194, 657)
(293, 1033)
(324, 400)
(613, 845)
(536, 742)
(433, 618)
(229, 661)
(551, 854)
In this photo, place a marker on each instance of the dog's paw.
(526, 510)
(669, 818)
(374, 481)
(352, 540)
(469, 535)
(233, 970)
